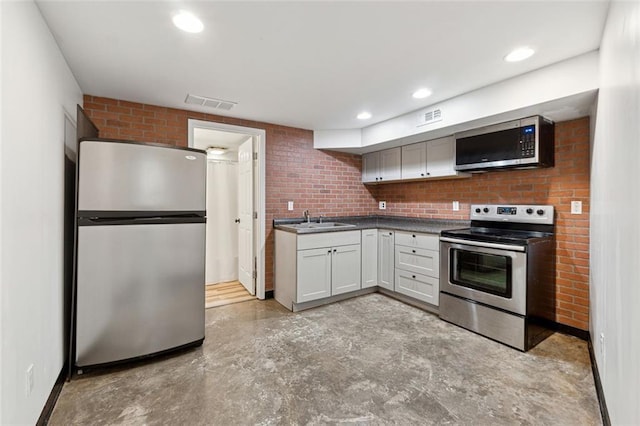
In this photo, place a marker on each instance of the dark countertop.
(394, 223)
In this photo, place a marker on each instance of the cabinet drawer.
(424, 241)
(328, 239)
(418, 260)
(418, 286)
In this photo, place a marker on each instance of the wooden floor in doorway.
(221, 294)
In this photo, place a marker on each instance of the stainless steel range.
(498, 277)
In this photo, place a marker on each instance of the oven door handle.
(483, 244)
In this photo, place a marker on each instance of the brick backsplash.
(329, 183)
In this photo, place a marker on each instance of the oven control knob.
(478, 210)
(486, 210)
(529, 211)
(540, 212)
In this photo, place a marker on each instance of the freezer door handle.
(152, 220)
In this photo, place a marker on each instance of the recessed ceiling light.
(519, 54)
(188, 22)
(421, 93)
(364, 115)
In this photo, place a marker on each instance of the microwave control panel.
(528, 142)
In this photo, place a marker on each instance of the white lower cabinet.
(345, 269)
(385, 258)
(421, 261)
(369, 258)
(316, 266)
(417, 266)
(327, 271)
(314, 274)
(418, 286)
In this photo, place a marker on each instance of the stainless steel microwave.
(525, 143)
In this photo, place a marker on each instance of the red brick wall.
(558, 186)
(321, 181)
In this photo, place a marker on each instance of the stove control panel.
(513, 213)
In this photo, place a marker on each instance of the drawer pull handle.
(413, 276)
(335, 250)
(413, 251)
(329, 251)
(414, 235)
(390, 233)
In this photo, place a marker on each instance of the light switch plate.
(382, 205)
(290, 205)
(576, 207)
(456, 206)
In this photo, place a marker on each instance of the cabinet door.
(390, 164)
(369, 258)
(441, 157)
(385, 259)
(345, 269)
(371, 167)
(414, 161)
(314, 274)
(418, 286)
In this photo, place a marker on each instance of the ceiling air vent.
(429, 116)
(209, 102)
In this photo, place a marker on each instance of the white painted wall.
(37, 90)
(331, 139)
(615, 221)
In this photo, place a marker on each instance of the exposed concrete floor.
(369, 360)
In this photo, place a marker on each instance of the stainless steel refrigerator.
(140, 250)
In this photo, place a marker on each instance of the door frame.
(259, 230)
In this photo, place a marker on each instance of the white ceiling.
(313, 65)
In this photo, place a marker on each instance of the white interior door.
(245, 211)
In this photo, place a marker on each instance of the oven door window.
(489, 273)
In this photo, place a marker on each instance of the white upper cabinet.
(371, 167)
(441, 158)
(414, 161)
(381, 166)
(390, 164)
(433, 159)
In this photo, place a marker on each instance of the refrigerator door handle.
(102, 221)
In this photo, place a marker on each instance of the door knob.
(237, 220)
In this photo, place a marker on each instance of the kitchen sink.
(318, 225)
(329, 225)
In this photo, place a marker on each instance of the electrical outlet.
(29, 383)
(576, 207)
(290, 205)
(382, 205)
(456, 206)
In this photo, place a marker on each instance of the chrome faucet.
(307, 215)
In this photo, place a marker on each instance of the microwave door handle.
(483, 244)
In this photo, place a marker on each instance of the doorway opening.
(235, 228)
